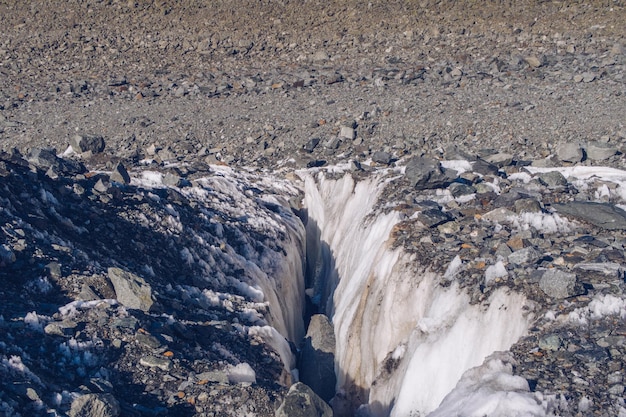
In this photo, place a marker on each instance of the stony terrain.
(185, 87)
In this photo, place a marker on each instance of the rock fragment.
(317, 363)
(558, 284)
(119, 174)
(425, 173)
(569, 152)
(95, 405)
(87, 143)
(301, 401)
(131, 290)
(604, 215)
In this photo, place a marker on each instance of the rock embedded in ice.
(317, 358)
(131, 290)
(558, 284)
(95, 405)
(301, 401)
(604, 215)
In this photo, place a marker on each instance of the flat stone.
(156, 362)
(524, 256)
(500, 215)
(213, 376)
(599, 151)
(347, 132)
(148, 340)
(604, 215)
(500, 159)
(433, 217)
(552, 179)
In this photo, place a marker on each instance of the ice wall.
(403, 340)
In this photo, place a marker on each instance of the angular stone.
(87, 143)
(600, 271)
(604, 215)
(347, 132)
(599, 151)
(317, 363)
(569, 152)
(131, 290)
(119, 174)
(552, 179)
(433, 217)
(301, 401)
(533, 61)
(333, 143)
(156, 362)
(500, 215)
(524, 256)
(95, 405)
(311, 144)
(500, 159)
(425, 173)
(458, 189)
(558, 284)
(213, 376)
(172, 180)
(527, 205)
(381, 157)
(550, 342)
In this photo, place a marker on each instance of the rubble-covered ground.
(183, 184)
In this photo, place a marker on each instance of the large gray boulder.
(95, 405)
(558, 284)
(87, 143)
(604, 215)
(425, 173)
(131, 290)
(317, 360)
(301, 401)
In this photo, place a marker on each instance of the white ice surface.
(490, 390)
(403, 340)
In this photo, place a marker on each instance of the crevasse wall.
(403, 340)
